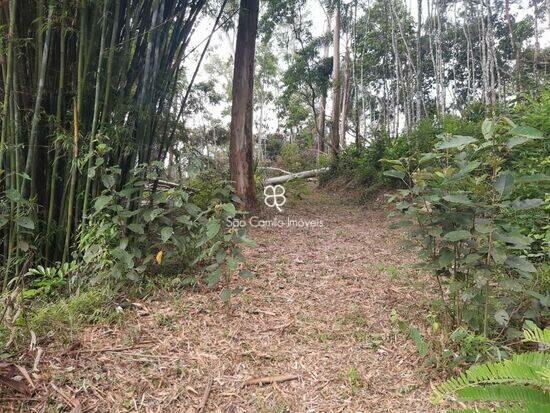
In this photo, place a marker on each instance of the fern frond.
(504, 392)
(536, 335)
(533, 359)
(528, 408)
(527, 368)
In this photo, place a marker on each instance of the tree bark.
(322, 112)
(241, 140)
(345, 97)
(418, 78)
(336, 85)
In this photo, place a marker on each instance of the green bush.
(295, 158)
(125, 237)
(458, 202)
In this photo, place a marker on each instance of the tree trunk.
(336, 84)
(345, 97)
(418, 78)
(322, 112)
(241, 141)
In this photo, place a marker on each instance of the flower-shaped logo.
(275, 196)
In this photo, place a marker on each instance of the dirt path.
(319, 308)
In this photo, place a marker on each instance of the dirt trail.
(319, 308)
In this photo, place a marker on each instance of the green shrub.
(207, 188)
(126, 238)
(296, 158)
(458, 201)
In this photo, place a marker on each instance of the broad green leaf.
(502, 317)
(226, 295)
(108, 181)
(458, 199)
(504, 184)
(446, 257)
(212, 229)
(518, 140)
(394, 174)
(483, 225)
(166, 233)
(527, 131)
(471, 166)
(518, 240)
(101, 202)
(192, 209)
(137, 228)
(526, 203)
(3, 221)
(520, 263)
(229, 208)
(214, 277)
(124, 257)
(498, 253)
(13, 195)
(151, 214)
(456, 141)
(459, 235)
(25, 222)
(428, 157)
(533, 178)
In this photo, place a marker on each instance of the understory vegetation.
(133, 132)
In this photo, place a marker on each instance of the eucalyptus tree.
(241, 141)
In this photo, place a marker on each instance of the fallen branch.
(111, 349)
(271, 379)
(205, 396)
(285, 178)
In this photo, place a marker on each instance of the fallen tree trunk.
(285, 178)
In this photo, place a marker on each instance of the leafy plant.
(521, 384)
(458, 201)
(132, 231)
(49, 281)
